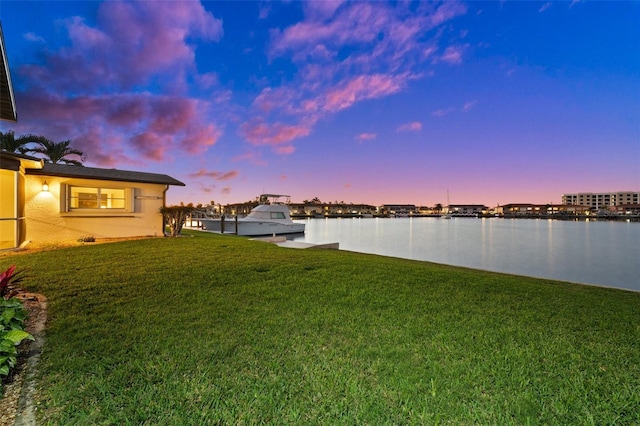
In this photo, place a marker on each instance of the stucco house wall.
(48, 220)
(43, 202)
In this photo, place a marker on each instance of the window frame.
(66, 200)
(277, 215)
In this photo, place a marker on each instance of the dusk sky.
(364, 102)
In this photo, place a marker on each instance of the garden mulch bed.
(16, 401)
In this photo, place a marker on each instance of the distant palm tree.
(56, 152)
(9, 142)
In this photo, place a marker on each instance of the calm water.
(601, 253)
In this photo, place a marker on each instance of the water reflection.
(601, 253)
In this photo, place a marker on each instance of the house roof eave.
(27, 161)
(7, 100)
(80, 172)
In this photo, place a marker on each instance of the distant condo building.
(601, 200)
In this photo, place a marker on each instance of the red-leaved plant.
(9, 280)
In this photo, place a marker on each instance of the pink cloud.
(545, 7)
(365, 136)
(260, 133)
(252, 157)
(31, 36)
(93, 91)
(125, 110)
(429, 51)
(280, 98)
(151, 145)
(385, 43)
(199, 137)
(468, 105)
(219, 176)
(207, 80)
(285, 149)
(415, 126)
(443, 112)
(151, 36)
(447, 11)
(453, 54)
(84, 37)
(361, 88)
(379, 34)
(361, 22)
(446, 111)
(132, 42)
(94, 141)
(264, 11)
(322, 9)
(403, 33)
(106, 126)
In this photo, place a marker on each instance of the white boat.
(447, 215)
(267, 218)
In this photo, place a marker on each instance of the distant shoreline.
(619, 218)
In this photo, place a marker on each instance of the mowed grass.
(214, 329)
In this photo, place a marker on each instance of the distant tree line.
(52, 152)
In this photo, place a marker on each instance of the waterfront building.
(602, 200)
(399, 209)
(625, 210)
(465, 209)
(539, 210)
(315, 209)
(517, 209)
(429, 211)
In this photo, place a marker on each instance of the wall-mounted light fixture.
(45, 186)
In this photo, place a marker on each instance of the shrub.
(12, 317)
(9, 280)
(87, 239)
(175, 216)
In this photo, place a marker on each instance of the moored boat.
(267, 218)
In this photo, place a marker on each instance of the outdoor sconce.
(45, 186)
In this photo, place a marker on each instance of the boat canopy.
(265, 197)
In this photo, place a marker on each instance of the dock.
(283, 242)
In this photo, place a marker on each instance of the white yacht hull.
(252, 228)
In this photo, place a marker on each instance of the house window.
(96, 198)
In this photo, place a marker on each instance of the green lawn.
(218, 329)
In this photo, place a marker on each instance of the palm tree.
(56, 152)
(9, 142)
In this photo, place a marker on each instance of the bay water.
(603, 253)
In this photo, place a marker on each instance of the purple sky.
(364, 102)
